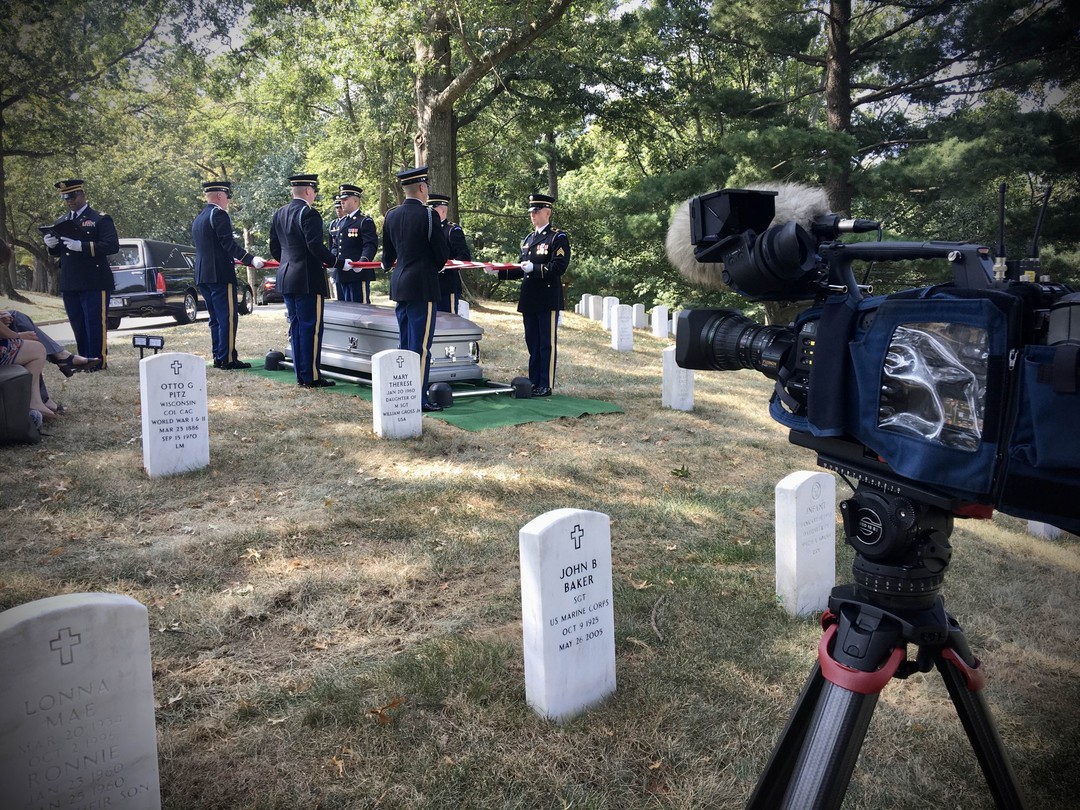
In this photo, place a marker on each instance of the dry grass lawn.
(335, 618)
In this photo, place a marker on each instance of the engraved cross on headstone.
(576, 535)
(176, 367)
(400, 361)
(64, 642)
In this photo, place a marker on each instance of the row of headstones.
(76, 689)
(175, 416)
(622, 319)
(677, 383)
(175, 413)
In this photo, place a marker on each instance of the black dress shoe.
(541, 391)
(430, 407)
(67, 365)
(322, 382)
(219, 364)
(235, 364)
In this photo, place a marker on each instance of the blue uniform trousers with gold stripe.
(540, 340)
(87, 311)
(305, 313)
(416, 328)
(221, 304)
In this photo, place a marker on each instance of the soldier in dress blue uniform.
(332, 243)
(413, 239)
(85, 276)
(215, 270)
(450, 277)
(296, 241)
(545, 255)
(357, 241)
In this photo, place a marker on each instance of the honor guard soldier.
(357, 241)
(331, 242)
(450, 277)
(545, 255)
(413, 239)
(296, 241)
(215, 270)
(84, 239)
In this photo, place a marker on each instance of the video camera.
(963, 395)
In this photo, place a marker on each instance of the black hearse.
(158, 278)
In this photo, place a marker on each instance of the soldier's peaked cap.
(218, 185)
(349, 190)
(434, 199)
(539, 201)
(408, 177)
(305, 180)
(69, 188)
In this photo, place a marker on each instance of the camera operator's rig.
(935, 403)
(900, 533)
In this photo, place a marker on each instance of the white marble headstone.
(622, 328)
(660, 321)
(610, 302)
(463, 309)
(641, 320)
(395, 394)
(175, 426)
(675, 322)
(568, 620)
(805, 541)
(77, 705)
(677, 386)
(596, 308)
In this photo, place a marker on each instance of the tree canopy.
(908, 112)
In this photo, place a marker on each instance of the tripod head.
(900, 531)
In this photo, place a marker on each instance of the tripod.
(902, 551)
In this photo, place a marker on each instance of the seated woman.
(66, 361)
(31, 355)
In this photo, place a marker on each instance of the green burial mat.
(468, 413)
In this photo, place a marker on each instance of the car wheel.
(191, 309)
(246, 302)
(112, 323)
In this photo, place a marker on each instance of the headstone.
(596, 308)
(675, 323)
(175, 429)
(77, 705)
(395, 394)
(660, 321)
(805, 541)
(610, 302)
(583, 304)
(1043, 530)
(463, 309)
(677, 385)
(568, 620)
(641, 320)
(622, 328)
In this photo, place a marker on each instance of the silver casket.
(353, 332)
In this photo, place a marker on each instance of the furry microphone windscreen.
(793, 201)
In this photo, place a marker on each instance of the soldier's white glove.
(50, 240)
(527, 267)
(74, 245)
(258, 262)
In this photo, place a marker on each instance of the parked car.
(158, 278)
(267, 293)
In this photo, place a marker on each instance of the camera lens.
(726, 340)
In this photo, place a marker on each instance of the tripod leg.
(773, 782)
(964, 683)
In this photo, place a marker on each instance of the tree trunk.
(434, 117)
(838, 101)
(552, 165)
